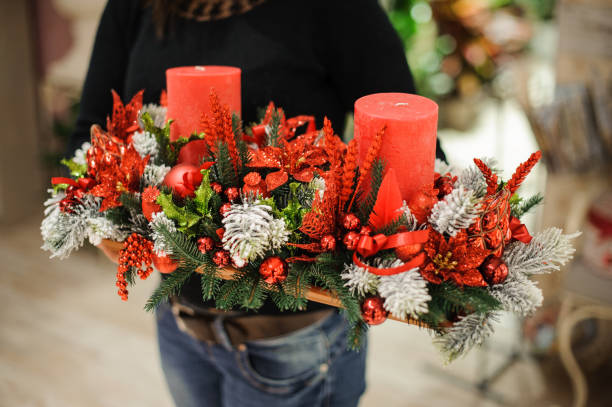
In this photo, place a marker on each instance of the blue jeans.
(309, 367)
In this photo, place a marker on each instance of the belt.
(235, 327)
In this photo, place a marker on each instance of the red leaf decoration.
(276, 179)
(388, 202)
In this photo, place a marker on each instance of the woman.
(308, 56)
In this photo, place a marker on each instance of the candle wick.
(200, 68)
(402, 104)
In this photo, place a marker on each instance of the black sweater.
(308, 56)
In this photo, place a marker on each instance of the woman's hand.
(111, 249)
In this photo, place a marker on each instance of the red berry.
(221, 258)
(328, 243)
(350, 222)
(205, 244)
(232, 193)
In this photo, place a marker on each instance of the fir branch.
(367, 205)
(330, 279)
(224, 167)
(209, 281)
(522, 206)
(457, 211)
(518, 295)
(468, 332)
(356, 335)
(273, 129)
(183, 249)
(243, 149)
(169, 286)
(547, 252)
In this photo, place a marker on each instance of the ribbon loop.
(519, 230)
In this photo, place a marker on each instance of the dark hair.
(163, 13)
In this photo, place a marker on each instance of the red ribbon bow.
(369, 246)
(519, 231)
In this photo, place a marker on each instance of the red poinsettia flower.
(118, 168)
(299, 158)
(124, 120)
(454, 259)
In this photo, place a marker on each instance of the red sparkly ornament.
(216, 187)
(221, 258)
(193, 153)
(254, 184)
(273, 270)
(422, 203)
(350, 240)
(494, 270)
(183, 179)
(164, 264)
(407, 252)
(365, 230)
(205, 244)
(328, 243)
(220, 232)
(351, 222)
(149, 202)
(444, 184)
(232, 193)
(372, 311)
(225, 208)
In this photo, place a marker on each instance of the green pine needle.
(521, 206)
(169, 286)
(367, 205)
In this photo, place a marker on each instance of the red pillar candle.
(189, 89)
(409, 142)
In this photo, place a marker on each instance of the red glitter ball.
(205, 244)
(494, 270)
(232, 193)
(273, 270)
(365, 230)
(350, 240)
(221, 258)
(216, 187)
(351, 222)
(225, 208)
(328, 243)
(372, 311)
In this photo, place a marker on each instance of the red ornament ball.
(350, 222)
(372, 311)
(205, 244)
(350, 240)
(232, 193)
(494, 270)
(407, 252)
(193, 153)
(149, 202)
(183, 179)
(225, 208)
(221, 258)
(216, 187)
(328, 243)
(273, 270)
(444, 184)
(365, 230)
(164, 264)
(422, 203)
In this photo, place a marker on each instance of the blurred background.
(511, 76)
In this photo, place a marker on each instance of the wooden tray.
(316, 294)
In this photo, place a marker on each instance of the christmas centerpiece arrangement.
(283, 211)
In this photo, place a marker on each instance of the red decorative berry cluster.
(137, 253)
